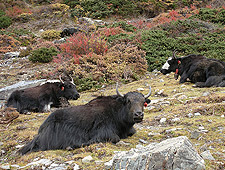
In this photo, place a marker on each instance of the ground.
(187, 110)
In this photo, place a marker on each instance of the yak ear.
(121, 99)
(148, 101)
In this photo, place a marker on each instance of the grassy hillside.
(174, 101)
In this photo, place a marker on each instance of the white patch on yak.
(48, 106)
(166, 65)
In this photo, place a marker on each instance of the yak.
(103, 119)
(69, 31)
(202, 71)
(42, 97)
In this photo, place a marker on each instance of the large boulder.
(173, 154)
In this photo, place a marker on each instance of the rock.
(207, 155)
(76, 167)
(182, 97)
(175, 153)
(176, 119)
(190, 115)
(197, 114)
(143, 141)
(162, 120)
(108, 164)
(195, 134)
(5, 167)
(151, 134)
(206, 94)
(87, 159)
(122, 143)
(11, 55)
(161, 80)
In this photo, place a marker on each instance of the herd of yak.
(105, 118)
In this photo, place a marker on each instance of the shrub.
(50, 34)
(81, 44)
(8, 43)
(211, 15)
(5, 22)
(43, 55)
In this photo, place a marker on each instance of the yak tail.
(30, 147)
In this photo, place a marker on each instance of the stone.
(195, 134)
(162, 120)
(190, 115)
(140, 89)
(175, 153)
(76, 167)
(176, 119)
(87, 159)
(207, 155)
(197, 114)
(151, 134)
(5, 167)
(11, 55)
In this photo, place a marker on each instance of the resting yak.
(103, 119)
(40, 98)
(202, 71)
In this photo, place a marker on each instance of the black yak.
(202, 71)
(42, 97)
(103, 119)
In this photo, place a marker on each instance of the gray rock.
(207, 155)
(162, 120)
(76, 167)
(87, 159)
(195, 134)
(151, 134)
(190, 115)
(5, 167)
(175, 153)
(11, 55)
(197, 114)
(176, 119)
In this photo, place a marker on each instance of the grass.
(181, 100)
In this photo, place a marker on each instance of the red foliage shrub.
(14, 11)
(81, 44)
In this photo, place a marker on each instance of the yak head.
(171, 65)
(68, 89)
(134, 102)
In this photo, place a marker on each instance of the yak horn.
(117, 91)
(71, 80)
(61, 79)
(149, 93)
(174, 54)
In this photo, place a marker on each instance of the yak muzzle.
(138, 117)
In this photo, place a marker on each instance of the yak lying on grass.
(42, 97)
(198, 69)
(103, 119)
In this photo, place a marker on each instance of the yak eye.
(70, 86)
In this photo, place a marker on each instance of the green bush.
(124, 26)
(211, 15)
(2, 13)
(5, 22)
(43, 55)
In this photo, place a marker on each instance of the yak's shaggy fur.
(104, 119)
(198, 69)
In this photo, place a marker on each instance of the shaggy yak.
(42, 97)
(198, 69)
(103, 119)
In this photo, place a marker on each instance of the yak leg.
(131, 131)
(183, 77)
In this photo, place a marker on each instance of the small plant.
(50, 34)
(43, 55)
(5, 22)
